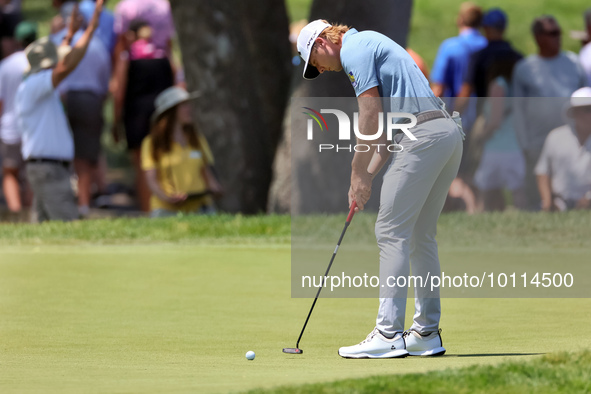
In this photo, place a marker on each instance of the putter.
(297, 350)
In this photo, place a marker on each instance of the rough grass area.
(553, 373)
(494, 230)
(183, 229)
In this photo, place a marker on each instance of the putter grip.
(351, 212)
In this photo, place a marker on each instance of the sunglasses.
(553, 33)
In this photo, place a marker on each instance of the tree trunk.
(237, 54)
(327, 177)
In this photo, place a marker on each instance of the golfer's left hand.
(360, 190)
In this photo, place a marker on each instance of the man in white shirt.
(47, 144)
(12, 69)
(564, 169)
(542, 83)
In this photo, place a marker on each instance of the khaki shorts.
(11, 155)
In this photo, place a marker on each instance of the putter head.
(292, 350)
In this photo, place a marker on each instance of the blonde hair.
(334, 32)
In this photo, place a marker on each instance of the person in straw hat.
(564, 169)
(176, 159)
(47, 144)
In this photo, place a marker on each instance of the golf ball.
(250, 355)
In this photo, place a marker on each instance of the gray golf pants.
(413, 193)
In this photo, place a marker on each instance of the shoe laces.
(370, 336)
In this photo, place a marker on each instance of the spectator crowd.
(524, 135)
(527, 118)
(52, 100)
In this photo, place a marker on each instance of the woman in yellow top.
(176, 159)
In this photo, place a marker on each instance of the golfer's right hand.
(360, 190)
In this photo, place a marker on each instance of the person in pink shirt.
(141, 36)
(156, 13)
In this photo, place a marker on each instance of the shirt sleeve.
(441, 64)
(361, 69)
(146, 155)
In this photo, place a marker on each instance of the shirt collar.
(470, 32)
(349, 32)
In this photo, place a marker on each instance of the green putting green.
(180, 318)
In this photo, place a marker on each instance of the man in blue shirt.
(415, 184)
(451, 63)
(105, 31)
(447, 76)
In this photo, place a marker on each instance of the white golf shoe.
(376, 346)
(418, 345)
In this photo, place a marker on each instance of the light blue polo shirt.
(371, 59)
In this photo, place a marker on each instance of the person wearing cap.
(12, 70)
(386, 79)
(564, 169)
(553, 74)
(585, 53)
(47, 144)
(176, 159)
(477, 78)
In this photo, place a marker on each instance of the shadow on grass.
(494, 355)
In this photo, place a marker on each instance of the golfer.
(386, 79)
